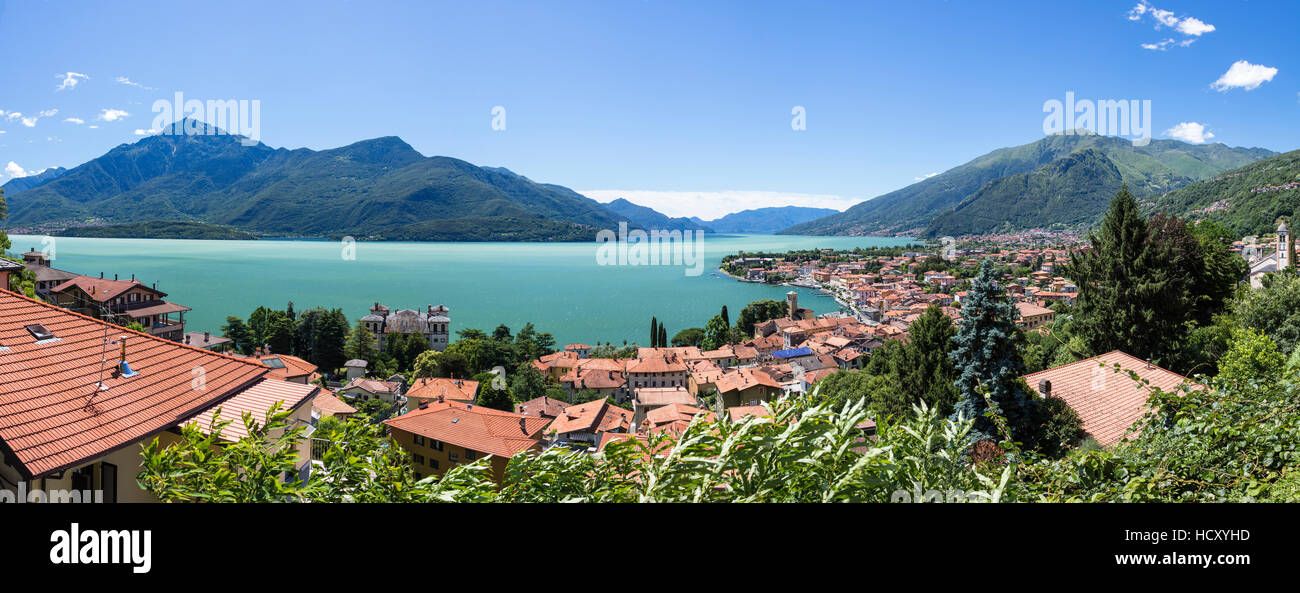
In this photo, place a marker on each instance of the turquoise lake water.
(557, 286)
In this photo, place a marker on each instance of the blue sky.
(685, 106)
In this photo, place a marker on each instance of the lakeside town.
(94, 352)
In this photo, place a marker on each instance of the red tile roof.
(255, 400)
(473, 427)
(329, 404)
(427, 388)
(52, 414)
(293, 367)
(1108, 402)
(101, 289)
(541, 407)
(594, 416)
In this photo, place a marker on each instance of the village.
(591, 397)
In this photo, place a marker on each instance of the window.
(419, 459)
(419, 440)
(453, 457)
(470, 455)
(435, 445)
(433, 463)
(108, 481)
(84, 478)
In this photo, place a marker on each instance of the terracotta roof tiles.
(53, 415)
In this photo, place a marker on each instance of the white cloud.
(70, 80)
(139, 132)
(31, 121)
(1244, 75)
(12, 115)
(128, 82)
(75, 120)
(711, 205)
(1190, 26)
(3, 132)
(14, 171)
(1159, 46)
(1194, 27)
(93, 127)
(1189, 131)
(111, 114)
(926, 176)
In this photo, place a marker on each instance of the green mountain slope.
(1160, 166)
(1248, 200)
(380, 188)
(1072, 190)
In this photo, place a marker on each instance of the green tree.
(527, 383)
(494, 392)
(426, 365)
(259, 326)
(663, 336)
(361, 343)
(453, 365)
(725, 317)
(716, 334)
(691, 336)
(654, 331)
(986, 356)
(531, 344)
(279, 338)
(1273, 309)
(238, 334)
(330, 340)
(923, 368)
(760, 311)
(1142, 285)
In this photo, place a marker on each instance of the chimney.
(133, 276)
(207, 336)
(439, 398)
(1045, 388)
(523, 427)
(114, 277)
(101, 275)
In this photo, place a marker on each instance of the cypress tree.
(1129, 299)
(654, 331)
(726, 318)
(985, 354)
(663, 336)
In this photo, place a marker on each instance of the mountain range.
(1059, 180)
(652, 219)
(211, 184)
(372, 189)
(765, 220)
(756, 220)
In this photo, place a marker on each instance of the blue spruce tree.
(985, 354)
